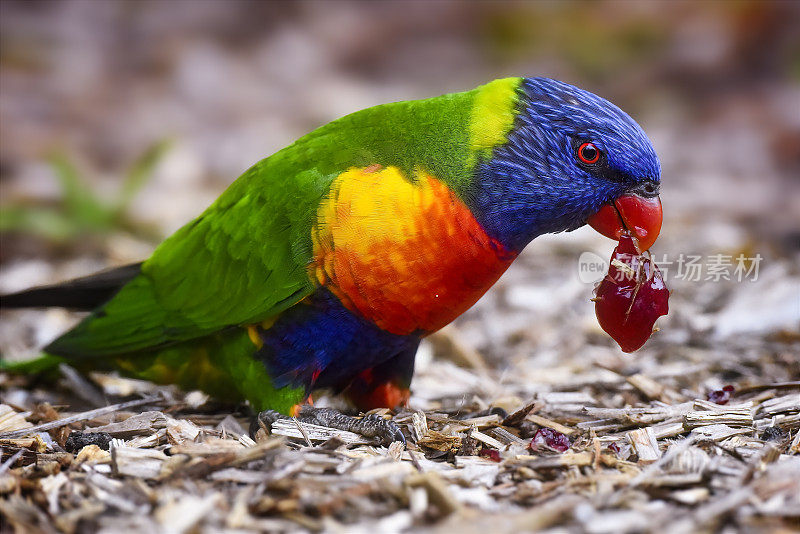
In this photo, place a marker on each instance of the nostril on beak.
(647, 189)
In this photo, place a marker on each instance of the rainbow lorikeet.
(325, 264)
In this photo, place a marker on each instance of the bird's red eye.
(588, 153)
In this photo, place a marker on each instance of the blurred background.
(122, 120)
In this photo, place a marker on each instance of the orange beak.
(638, 216)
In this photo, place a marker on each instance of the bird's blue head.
(571, 158)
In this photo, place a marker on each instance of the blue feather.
(533, 184)
(300, 347)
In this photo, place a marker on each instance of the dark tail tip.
(85, 293)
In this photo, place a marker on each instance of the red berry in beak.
(631, 296)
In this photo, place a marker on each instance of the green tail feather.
(42, 364)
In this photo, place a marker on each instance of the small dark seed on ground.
(773, 433)
(78, 440)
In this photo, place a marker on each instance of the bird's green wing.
(246, 258)
(241, 261)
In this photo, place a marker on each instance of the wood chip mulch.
(162, 461)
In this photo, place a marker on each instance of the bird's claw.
(375, 426)
(264, 420)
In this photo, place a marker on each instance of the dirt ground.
(176, 102)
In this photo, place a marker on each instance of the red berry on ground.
(721, 396)
(491, 454)
(553, 439)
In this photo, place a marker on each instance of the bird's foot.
(370, 426)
